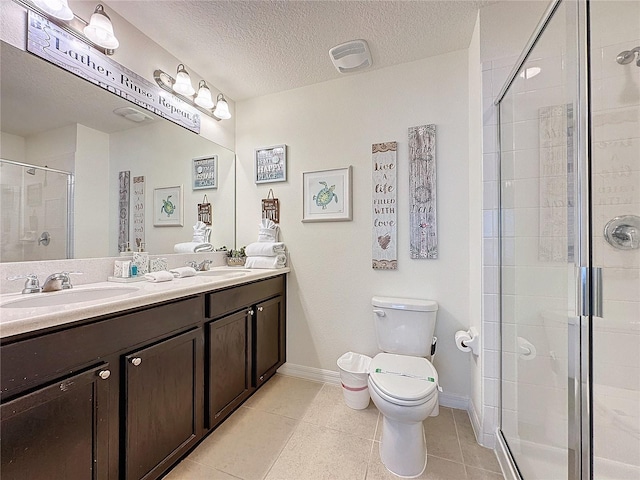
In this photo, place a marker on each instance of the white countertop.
(18, 320)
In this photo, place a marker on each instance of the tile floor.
(294, 429)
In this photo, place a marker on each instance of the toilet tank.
(405, 326)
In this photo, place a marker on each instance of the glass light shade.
(222, 108)
(182, 85)
(56, 8)
(100, 30)
(204, 96)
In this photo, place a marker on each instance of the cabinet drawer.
(29, 363)
(221, 302)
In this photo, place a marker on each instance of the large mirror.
(51, 118)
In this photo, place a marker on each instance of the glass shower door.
(615, 149)
(539, 245)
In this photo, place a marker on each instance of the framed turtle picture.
(167, 207)
(327, 195)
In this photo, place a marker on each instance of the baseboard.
(310, 373)
(475, 422)
(329, 376)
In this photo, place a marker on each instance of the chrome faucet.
(57, 281)
(200, 267)
(31, 285)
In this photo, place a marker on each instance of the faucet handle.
(66, 280)
(31, 285)
(192, 264)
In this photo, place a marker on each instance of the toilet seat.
(402, 379)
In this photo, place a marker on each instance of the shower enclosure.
(569, 141)
(36, 212)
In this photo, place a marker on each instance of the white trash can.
(354, 373)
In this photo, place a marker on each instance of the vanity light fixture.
(98, 33)
(204, 96)
(222, 108)
(182, 84)
(100, 29)
(56, 8)
(202, 101)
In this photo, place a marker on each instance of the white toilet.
(402, 381)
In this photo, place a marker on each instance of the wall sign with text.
(46, 40)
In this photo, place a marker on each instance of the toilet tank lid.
(413, 304)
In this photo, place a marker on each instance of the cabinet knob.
(250, 311)
(260, 309)
(104, 374)
(135, 361)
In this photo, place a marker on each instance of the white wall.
(91, 232)
(12, 147)
(334, 124)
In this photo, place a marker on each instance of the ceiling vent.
(351, 56)
(132, 114)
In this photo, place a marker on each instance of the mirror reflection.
(51, 118)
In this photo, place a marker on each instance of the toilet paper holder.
(468, 341)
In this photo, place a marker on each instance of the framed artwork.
(326, 195)
(167, 207)
(271, 164)
(204, 171)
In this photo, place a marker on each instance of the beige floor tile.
(286, 396)
(437, 469)
(478, 474)
(246, 444)
(329, 410)
(188, 470)
(319, 453)
(475, 455)
(442, 440)
(463, 427)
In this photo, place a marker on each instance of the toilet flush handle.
(380, 313)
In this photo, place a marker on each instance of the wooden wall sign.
(137, 203)
(422, 192)
(384, 201)
(204, 212)
(123, 210)
(271, 208)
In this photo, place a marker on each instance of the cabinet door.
(228, 364)
(269, 342)
(58, 432)
(162, 404)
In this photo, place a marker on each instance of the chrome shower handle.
(623, 232)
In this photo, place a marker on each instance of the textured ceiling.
(248, 48)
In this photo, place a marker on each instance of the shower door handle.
(590, 292)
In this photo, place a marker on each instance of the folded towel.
(264, 249)
(161, 276)
(279, 261)
(192, 247)
(182, 272)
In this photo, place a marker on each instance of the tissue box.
(141, 260)
(158, 264)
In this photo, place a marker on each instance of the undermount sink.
(63, 297)
(223, 273)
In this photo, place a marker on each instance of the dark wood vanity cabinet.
(229, 363)
(269, 339)
(245, 343)
(126, 396)
(163, 404)
(60, 431)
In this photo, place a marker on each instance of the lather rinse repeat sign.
(46, 40)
